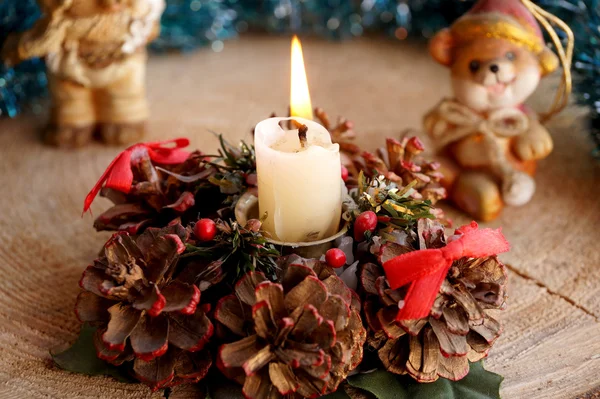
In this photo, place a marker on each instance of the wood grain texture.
(551, 344)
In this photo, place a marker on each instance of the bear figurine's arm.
(535, 144)
(46, 37)
(155, 32)
(149, 11)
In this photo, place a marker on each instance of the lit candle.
(299, 170)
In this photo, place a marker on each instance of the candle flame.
(300, 104)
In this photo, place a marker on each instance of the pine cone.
(400, 163)
(342, 133)
(156, 198)
(458, 329)
(142, 313)
(302, 336)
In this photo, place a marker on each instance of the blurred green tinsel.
(188, 24)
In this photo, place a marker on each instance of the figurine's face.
(489, 74)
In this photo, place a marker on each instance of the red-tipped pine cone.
(458, 329)
(400, 162)
(143, 314)
(155, 198)
(301, 337)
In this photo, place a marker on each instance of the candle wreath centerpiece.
(298, 267)
(208, 281)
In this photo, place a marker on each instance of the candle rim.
(331, 147)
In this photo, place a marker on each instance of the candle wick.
(302, 130)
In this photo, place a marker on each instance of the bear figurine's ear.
(441, 47)
(548, 61)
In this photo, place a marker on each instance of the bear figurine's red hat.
(511, 8)
(508, 20)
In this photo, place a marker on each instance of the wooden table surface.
(551, 344)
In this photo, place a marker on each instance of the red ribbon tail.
(118, 176)
(483, 243)
(421, 296)
(159, 153)
(467, 228)
(412, 266)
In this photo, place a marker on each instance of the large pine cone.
(302, 336)
(142, 313)
(458, 329)
(155, 198)
(400, 162)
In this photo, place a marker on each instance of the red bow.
(119, 176)
(425, 270)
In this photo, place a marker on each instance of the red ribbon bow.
(119, 175)
(425, 270)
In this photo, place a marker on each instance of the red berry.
(335, 258)
(366, 221)
(205, 230)
(345, 173)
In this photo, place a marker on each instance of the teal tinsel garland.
(188, 24)
(25, 83)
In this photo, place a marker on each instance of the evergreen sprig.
(394, 205)
(235, 166)
(240, 249)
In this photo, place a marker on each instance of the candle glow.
(300, 104)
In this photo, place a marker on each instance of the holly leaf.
(339, 394)
(478, 384)
(227, 390)
(81, 358)
(382, 384)
(219, 387)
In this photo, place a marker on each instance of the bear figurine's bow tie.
(505, 122)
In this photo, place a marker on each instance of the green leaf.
(478, 384)
(339, 394)
(382, 384)
(81, 358)
(201, 252)
(227, 390)
(219, 387)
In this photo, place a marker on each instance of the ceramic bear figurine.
(489, 141)
(96, 61)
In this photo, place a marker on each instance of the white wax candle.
(298, 187)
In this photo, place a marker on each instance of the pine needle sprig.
(240, 249)
(242, 158)
(394, 205)
(236, 167)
